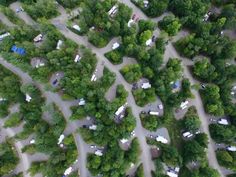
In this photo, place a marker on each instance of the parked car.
(93, 146)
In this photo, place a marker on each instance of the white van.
(154, 113)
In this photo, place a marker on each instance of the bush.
(155, 8)
(150, 122)
(226, 159)
(41, 8)
(221, 133)
(12, 16)
(131, 73)
(143, 97)
(6, 2)
(98, 39)
(30, 149)
(114, 56)
(170, 24)
(13, 120)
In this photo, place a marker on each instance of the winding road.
(83, 40)
(64, 106)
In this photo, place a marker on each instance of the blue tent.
(176, 85)
(20, 51)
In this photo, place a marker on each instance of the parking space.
(55, 79)
(37, 62)
(181, 111)
(21, 14)
(163, 132)
(154, 107)
(99, 69)
(111, 93)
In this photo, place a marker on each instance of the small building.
(146, 85)
(171, 173)
(231, 148)
(120, 110)
(123, 141)
(18, 50)
(77, 58)
(132, 133)
(68, 171)
(82, 102)
(115, 45)
(145, 3)
(113, 10)
(184, 105)
(59, 44)
(148, 42)
(76, 27)
(32, 141)
(60, 139)
(130, 22)
(93, 78)
(92, 28)
(2, 99)
(27, 97)
(2, 36)
(37, 62)
(187, 134)
(98, 153)
(161, 139)
(38, 38)
(223, 121)
(93, 127)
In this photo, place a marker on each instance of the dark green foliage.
(69, 3)
(155, 8)
(6, 2)
(114, 56)
(131, 73)
(220, 133)
(41, 8)
(13, 95)
(170, 24)
(226, 159)
(191, 120)
(151, 122)
(212, 101)
(8, 158)
(193, 151)
(204, 70)
(143, 97)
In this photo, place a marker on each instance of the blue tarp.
(18, 50)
